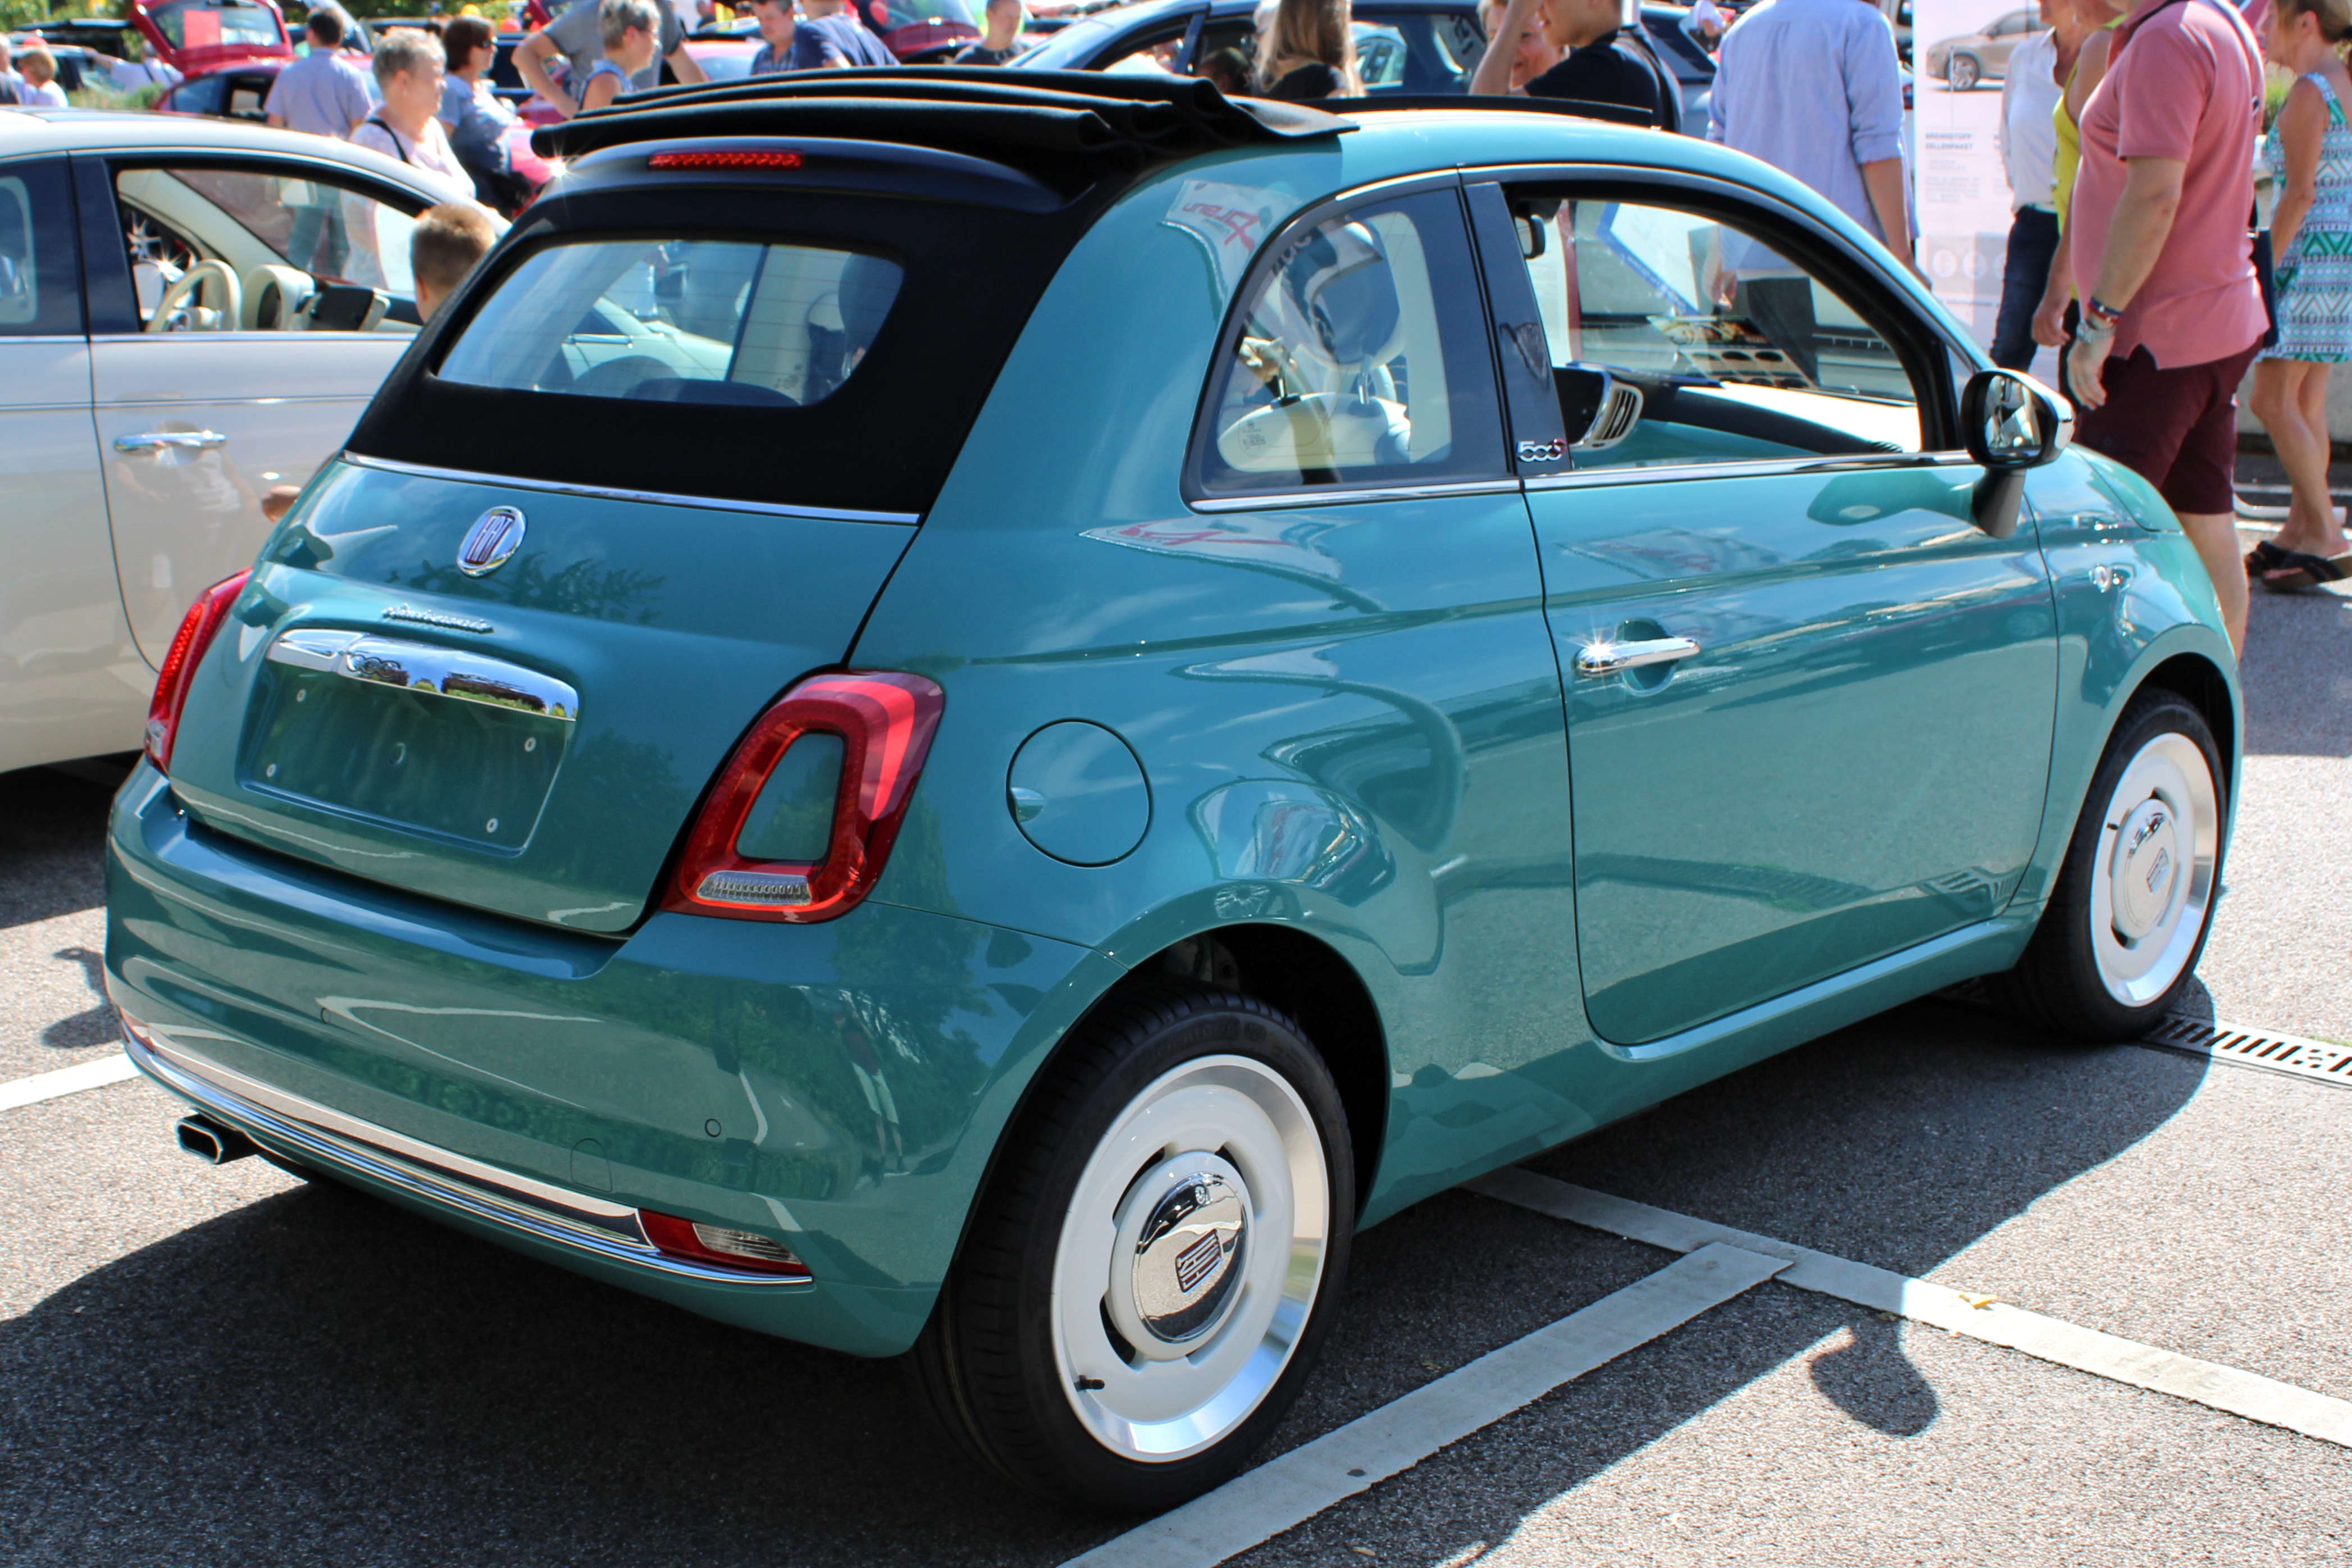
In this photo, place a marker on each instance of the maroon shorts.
(2177, 429)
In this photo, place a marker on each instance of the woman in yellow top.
(2090, 24)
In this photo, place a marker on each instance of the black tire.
(2059, 984)
(988, 1363)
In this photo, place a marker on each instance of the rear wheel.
(1153, 1263)
(2135, 899)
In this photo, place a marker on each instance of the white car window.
(285, 232)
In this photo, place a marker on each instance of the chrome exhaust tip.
(210, 1141)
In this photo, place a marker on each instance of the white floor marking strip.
(1260, 1504)
(2206, 1382)
(44, 1086)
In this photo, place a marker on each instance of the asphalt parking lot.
(208, 1366)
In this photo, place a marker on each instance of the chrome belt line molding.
(546, 1213)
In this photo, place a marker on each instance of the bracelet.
(2105, 315)
(2092, 330)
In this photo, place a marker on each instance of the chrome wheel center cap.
(2145, 868)
(1189, 1218)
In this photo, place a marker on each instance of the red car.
(196, 36)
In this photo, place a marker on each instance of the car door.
(1809, 701)
(201, 412)
(70, 685)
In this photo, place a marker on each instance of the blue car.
(974, 714)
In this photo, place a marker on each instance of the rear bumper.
(839, 1087)
(319, 1136)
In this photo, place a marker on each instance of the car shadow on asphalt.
(48, 822)
(319, 1376)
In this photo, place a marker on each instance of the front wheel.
(2135, 899)
(1964, 73)
(1152, 1264)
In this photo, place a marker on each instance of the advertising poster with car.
(1960, 52)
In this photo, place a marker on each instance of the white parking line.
(44, 1086)
(2206, 1382)
(1262, 1503)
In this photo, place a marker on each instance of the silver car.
(191, 311)
(1962, 62)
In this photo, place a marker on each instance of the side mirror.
(2011, 424)
(1598, 409)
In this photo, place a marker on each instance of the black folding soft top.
(1020, 116)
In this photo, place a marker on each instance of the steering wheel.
(184, 289)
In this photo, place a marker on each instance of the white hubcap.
(2153, 880)
(1189, 1258)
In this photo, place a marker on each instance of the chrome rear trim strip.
(651, 498)
(573, 1220)
(1286, 499)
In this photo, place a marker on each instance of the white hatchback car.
(191, 311)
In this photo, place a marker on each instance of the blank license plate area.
(476, 772)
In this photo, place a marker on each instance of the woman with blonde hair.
(2310, 149)
(1309, 51)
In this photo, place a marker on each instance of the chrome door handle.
(1616, 658)
(428, 668)
(156, 440)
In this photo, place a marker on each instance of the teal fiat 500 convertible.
(975, 717)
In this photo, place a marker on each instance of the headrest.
(1339, 282)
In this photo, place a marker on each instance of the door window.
(298, 244)
(1737, 351)
(40, 296)
(1361, 359)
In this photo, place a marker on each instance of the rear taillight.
(197, 628)
(720, 1244)
(885, 722)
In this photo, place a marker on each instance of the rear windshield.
(678, 321)
(775, 342)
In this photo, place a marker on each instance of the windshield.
(892, 15)
(678, 321)
(210, 24)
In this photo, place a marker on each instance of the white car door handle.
(1614, 658)
(157, 441)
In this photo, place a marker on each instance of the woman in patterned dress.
(2310, 149)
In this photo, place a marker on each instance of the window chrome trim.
(650, 498)
(1585, 478)
(576, 1221)
(53, 338)
(1335, 497)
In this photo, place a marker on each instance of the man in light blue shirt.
(322, 92)
(1812, 87)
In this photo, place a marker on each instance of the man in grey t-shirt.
(322, 92)
(577, 38)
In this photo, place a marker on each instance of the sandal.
(2296, 572)
(2263, 557)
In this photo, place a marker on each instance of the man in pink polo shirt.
(2163, 266)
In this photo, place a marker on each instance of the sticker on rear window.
(1230, 221)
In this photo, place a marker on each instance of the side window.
(308, 254)
(41, 286)
(1736, 352)
(1361, 360)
